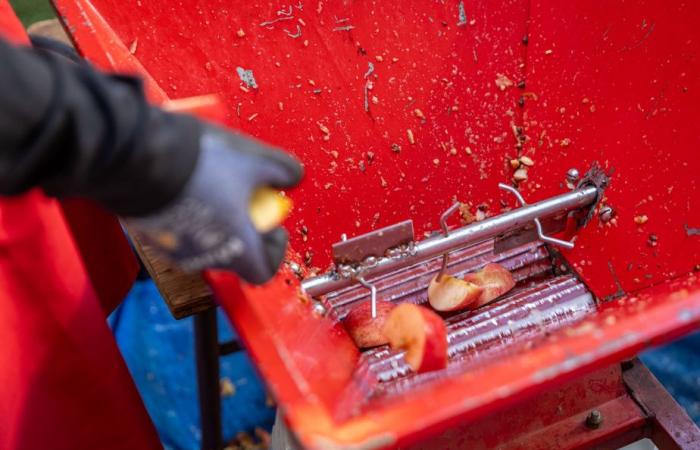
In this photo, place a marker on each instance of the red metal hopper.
(399, 109)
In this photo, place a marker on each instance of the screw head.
(319, 309)
(594, 419)
(606, 213)
(572, 175)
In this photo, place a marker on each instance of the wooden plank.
(185, 294)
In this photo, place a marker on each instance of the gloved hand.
(208, 224)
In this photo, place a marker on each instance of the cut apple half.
(363, 329)
(452, 294)
(421, 333)
(494, 280)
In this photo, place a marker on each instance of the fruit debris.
(520, 174)
(641, 220)
(365, 331)
(421, 333)
(503, 82)
(226, 387)
(452, 294)
(494, 280)
(526, 161)
(268, 208)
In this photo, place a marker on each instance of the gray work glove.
(208, 224)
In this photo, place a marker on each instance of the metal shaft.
(461, 237)
(206, 341)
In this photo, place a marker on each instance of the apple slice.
(365, 331)
(451, 294)
(268, 208)
(420, 332)
(494, 279)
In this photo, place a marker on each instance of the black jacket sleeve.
(76, 132)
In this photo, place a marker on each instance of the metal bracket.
(373, 244)
(443, 224)
(599, 179)
(403, 255)
(538, 224)
(373, 294)
(356, 255)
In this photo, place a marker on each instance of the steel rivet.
(594, 419)
(572, 175)
(606, 213)
(319, 309)
(370, 261)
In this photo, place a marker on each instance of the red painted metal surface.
(668, 426)
(553, 420)
(354, 182)
(619, 82)
(353, 175)
(620, 330)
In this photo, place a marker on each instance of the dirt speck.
(641, 219)
(226, 387)
(503, 82)
(520, 174)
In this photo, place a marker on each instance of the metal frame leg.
(206, 346)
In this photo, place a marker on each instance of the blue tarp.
(677, 367)
(159, 352)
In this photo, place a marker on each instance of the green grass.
(30, 11)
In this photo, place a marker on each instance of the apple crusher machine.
(558, 139)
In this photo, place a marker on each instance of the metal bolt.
(370, 261)
(319, 309)
(594, 419)
(572, 175)
(606, 213)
